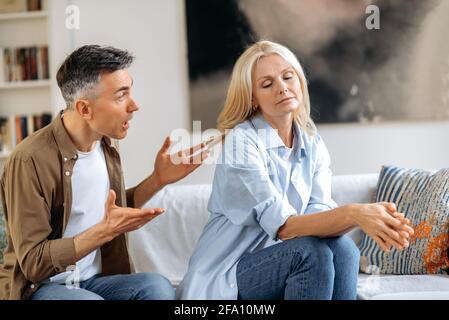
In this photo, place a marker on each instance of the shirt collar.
(271, 139)
(65, 144)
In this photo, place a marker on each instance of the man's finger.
(199, 158)
(190, 151)
(151, 211)
(110, 201)
(166, 145)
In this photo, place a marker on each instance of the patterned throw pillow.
(423, 196)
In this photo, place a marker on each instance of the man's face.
(113, 106)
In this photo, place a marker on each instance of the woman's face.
(276, 88)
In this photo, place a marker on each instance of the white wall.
(155, 31)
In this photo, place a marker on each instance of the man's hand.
(118, 220)
(169, 168)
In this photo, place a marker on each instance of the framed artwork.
(395, 71)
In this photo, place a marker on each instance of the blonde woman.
(274, 231)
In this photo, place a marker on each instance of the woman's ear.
(254, 104)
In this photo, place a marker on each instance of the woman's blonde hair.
(238, 105)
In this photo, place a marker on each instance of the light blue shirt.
(258, 184)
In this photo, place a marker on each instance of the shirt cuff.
(62, 253)
(317, 207)
(274, 216)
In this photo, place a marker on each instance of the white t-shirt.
(90, 187)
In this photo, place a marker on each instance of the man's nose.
(133, 106)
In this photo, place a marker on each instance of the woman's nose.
(283, 88)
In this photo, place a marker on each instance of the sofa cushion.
(403, 287)
(423, 196)
(166, 243)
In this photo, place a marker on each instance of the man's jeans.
(138, 286)
(300, 269)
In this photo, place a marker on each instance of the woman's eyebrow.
(270, 76)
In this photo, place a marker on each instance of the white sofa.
(165, 244)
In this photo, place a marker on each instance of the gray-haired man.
(65, 204)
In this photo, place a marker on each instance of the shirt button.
(65, 159)
(75, 156)
(232, 285)
(67, 173)
(32, 286)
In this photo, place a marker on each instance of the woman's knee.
(313, 251)
(153, 286)
(345, 250)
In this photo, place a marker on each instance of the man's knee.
(60, 292)
(153, 286)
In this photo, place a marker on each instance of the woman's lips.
(286, 100)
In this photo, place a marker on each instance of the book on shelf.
(14, 6)
(24, 63)
(15, 128)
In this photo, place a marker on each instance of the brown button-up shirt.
(36, 194)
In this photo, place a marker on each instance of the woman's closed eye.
(288, 75)
(266, 84)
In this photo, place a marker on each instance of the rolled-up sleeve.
(243, 191)
(321, 193)
(28, 218)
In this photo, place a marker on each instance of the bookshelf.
(25, 90)
(25, 84)
(23, 15)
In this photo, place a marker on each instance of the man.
(65, 204)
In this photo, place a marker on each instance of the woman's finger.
(381, 243)
(398, 244)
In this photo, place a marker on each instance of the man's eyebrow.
(269, 76)
(124, 88)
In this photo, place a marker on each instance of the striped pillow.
(423, 196)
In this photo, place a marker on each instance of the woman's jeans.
(299, 269)
(138, 286)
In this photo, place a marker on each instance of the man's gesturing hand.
(118, 220)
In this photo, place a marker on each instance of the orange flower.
(435, 257)
(422, 231)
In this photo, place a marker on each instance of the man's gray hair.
(81, 71)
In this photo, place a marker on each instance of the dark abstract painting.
(398, 71)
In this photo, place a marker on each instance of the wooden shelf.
(23, 15)
(25, 84)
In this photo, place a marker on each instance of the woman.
(274, 232)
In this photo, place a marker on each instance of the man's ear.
(83, 108)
